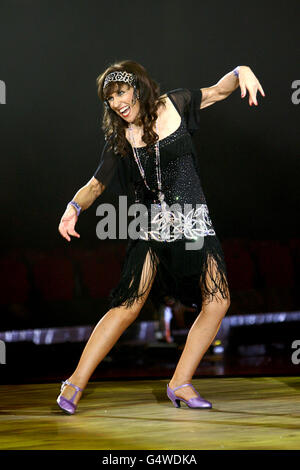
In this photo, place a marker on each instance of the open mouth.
(125, 111)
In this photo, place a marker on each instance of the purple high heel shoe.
(196, 402)
(68, 405)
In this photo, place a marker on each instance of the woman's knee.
(225, 304)
(217, 304)
(128, 313)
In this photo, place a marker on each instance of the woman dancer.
(149, 146)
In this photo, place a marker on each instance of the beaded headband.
(119, 77)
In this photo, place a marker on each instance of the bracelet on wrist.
(76, 206)
(236, 71)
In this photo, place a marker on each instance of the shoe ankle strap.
(66, 382)
(184, 385)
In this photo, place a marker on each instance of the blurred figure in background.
(172, 316)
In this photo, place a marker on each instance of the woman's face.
(124, 104)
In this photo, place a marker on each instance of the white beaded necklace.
(161, 195)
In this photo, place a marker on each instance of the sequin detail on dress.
(169, 139)
(180, 183)
(170, 225)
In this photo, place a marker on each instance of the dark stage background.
(51, 54)
(51, 139)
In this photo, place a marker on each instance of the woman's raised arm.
(246, 80)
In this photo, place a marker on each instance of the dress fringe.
(191, 276)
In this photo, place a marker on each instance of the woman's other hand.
(248, 81)
(67, 224)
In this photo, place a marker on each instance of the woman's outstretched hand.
(248, 81)
(67, 224)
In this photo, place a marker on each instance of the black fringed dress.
(187, 266)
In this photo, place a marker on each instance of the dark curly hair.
(149, 100)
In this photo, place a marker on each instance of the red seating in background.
(240, 266)
(53, 275)
(276, 270)
(15, 285)
(274, 262)
(100, 270)
(262, 277)
(241, 269)
(294, 246)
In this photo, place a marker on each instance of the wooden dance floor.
(248, 413)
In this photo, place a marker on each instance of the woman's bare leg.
(105, 335)
(200, 337)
